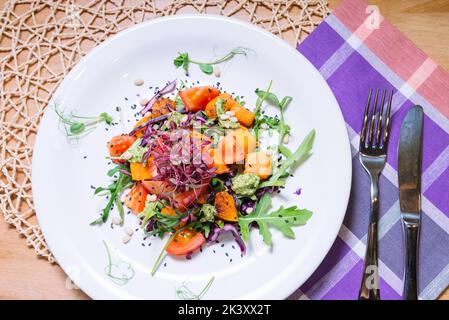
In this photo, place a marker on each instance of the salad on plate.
(194, 167)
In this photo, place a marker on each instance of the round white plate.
(64, 171)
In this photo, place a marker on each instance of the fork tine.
(365, 119)
(379, 121)
(373, 120)
(387, 120)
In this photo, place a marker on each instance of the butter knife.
(409, 175)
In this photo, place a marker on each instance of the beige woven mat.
(40, 41)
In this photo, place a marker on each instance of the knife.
(409, 175)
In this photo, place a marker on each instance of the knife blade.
(409, 161)
(409, 176)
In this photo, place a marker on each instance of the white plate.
(62, 178)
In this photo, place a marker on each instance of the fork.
(373, 156)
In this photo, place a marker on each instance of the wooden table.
(24, 276)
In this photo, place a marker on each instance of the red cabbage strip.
(124, 171)
(228, 227)
(151, 121)
(170, 87)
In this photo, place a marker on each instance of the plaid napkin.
(356, 49)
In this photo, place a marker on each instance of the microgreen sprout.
(183, 60)
(76, 125)
(185, 293)
(126, 275)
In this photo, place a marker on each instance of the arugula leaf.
(257, 112)
(114, 170)
(285, 151)
(281, 219)
(283, 128)
(124, 181)
(300, 155)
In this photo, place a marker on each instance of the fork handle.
(369, 289)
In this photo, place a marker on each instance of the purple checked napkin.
(356, 49)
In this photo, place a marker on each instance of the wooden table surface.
(24, 276)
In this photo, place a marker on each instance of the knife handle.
(411, 239)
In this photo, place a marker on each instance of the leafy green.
(284, 129)
(183, 60)
(164, 223)
(257, 111)
(282, 219)
(300, 155)
(114, 190)
(151, 209)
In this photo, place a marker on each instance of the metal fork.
(373, 156)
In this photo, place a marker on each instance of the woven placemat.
(40, 41)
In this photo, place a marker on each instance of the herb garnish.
(184, 293)
(284, 129)
(257, 111)
(114, 190)
(282, 219)
(124, 278)
(75, 125)
(183, 60)
(300, 155)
